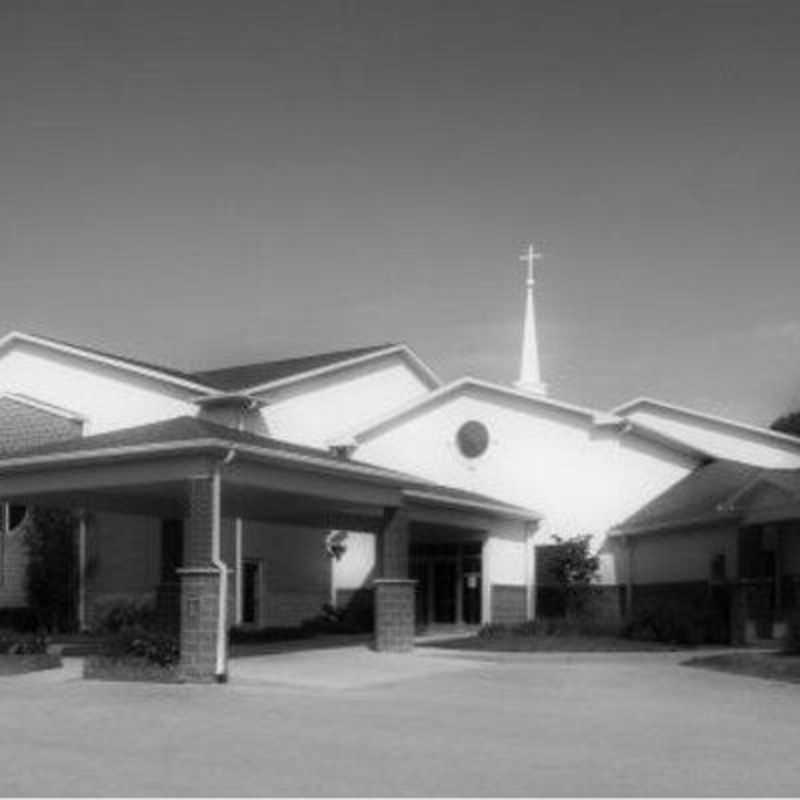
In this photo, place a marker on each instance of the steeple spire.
(530, 379)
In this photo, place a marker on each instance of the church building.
(254, 495)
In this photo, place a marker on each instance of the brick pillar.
(200, 582)
(394, 592)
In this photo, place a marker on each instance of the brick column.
(394, 591)
(199, 587)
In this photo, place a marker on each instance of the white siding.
(108, 397)
(738, 445)
(312, 412)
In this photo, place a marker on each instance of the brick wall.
(394, 615)
(23, 426)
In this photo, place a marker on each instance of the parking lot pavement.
(620, 724)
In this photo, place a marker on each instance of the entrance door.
(448, 576)
(444, 591)
(471, 581)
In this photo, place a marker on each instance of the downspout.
(220, 565)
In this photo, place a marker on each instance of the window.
(251, 591)
(11, 518)
(472, 439)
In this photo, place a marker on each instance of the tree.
(788, 423)
(574, 568)
(51, 576)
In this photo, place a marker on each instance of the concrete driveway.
(527, 724)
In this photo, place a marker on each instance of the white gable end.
(107, 397)
(735, 442)
(317, 410)
(584, 479)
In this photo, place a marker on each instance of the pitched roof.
(595, 419)
(187, 431)
(707, 493)
(229, 379)
(670, 409)
(248, 375)
(102, 355)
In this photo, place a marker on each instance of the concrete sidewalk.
(352, 667)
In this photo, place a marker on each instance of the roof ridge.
(344, 352)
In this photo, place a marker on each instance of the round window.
(473, 439)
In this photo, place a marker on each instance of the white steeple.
(530, 379)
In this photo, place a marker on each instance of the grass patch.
(32, 662)
(552, 636)
(575, 643)
(128, 668)
(771, 666)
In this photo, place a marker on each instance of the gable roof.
(681, 412)
(244, 378)
(357, 436)
(713, 492)
(594, 419)
(266, 374)
(158, 372)
(192, 433)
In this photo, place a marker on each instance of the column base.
(198, 634)
(394, 615)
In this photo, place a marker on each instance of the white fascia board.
(364, 471)
(118, 363)
(442, 497)
(56, 411)
(642, 402)
(718, 518)
(665, 440)
(361, 434)
(419, 366)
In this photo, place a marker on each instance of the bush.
(17, 644)
(493, 630)
(156, 647)
(51, 574)
(105, 667)
(118, 615)
(132, 631)
(21, 619)
(355, 618)
(668, 626)
(791, 640)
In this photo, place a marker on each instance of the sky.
(204, 184)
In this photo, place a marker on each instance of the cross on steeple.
(530, 257)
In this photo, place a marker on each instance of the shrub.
(51, 575)
(117, 615)
(156, 647)
(132, 631)
(104, 667)
(493, 630)
(791, 640)
(13, 643)
(669, 626)
(21, 619)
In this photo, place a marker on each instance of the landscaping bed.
(555, 637)
(25, 652)
(773, 666)
(30, 662)
(128, 668)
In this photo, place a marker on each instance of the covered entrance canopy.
(201, 471)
